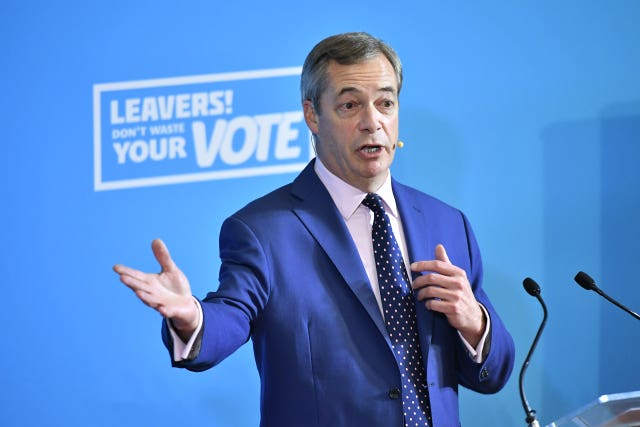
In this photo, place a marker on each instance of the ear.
(310, 116)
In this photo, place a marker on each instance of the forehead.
(373, 75)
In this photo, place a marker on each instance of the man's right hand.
(167, 292)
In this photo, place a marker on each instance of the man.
(301, 273)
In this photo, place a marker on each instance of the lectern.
(611, 410)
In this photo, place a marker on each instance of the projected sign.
(196, 128)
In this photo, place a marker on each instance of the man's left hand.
(446, 289)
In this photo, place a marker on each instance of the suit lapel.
(313, 205)
(419, 238)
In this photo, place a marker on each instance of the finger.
(434, 286)
(123, 270)
(434, 265)
(440, 262)
(427, 293)
(135, 283)
(148, 299)
(422, 266)
(441, 254)
(162, 255)
(439, 305)
(134, 274)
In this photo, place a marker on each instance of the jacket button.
(394, 393)
(484, 373)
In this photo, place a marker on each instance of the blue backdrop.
(526, 115)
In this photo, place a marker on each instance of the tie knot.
(374, 202)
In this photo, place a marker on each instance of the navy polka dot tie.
(398, 304)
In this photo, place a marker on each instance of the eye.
(348, 108)
(386, 106)
(387, 103)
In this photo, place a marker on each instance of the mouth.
(371, 149)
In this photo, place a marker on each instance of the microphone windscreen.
(584, 280)
(531, 286)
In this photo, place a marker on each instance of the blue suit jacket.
(291, 280)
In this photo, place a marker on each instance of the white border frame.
(98, 89)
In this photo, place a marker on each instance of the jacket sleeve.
(493, 373)
(229, 312)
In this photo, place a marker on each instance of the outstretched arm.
(167, 292)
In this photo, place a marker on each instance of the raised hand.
(446, 289)
(167, 292)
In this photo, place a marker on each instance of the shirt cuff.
(181, 350)
(477, 353)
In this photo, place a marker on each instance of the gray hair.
(345, 49)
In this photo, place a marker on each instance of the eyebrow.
(350, 89)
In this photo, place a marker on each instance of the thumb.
(162, 255)
(441, 254)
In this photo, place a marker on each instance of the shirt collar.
(347, 197)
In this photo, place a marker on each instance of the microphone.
(584, 280)
(532, 289)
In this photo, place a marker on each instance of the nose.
(370, 120)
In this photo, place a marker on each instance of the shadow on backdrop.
(592, 223)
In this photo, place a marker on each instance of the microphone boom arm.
(534, 290)
(616, 303)
(585, 281)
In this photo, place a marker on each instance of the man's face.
(357, 129)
